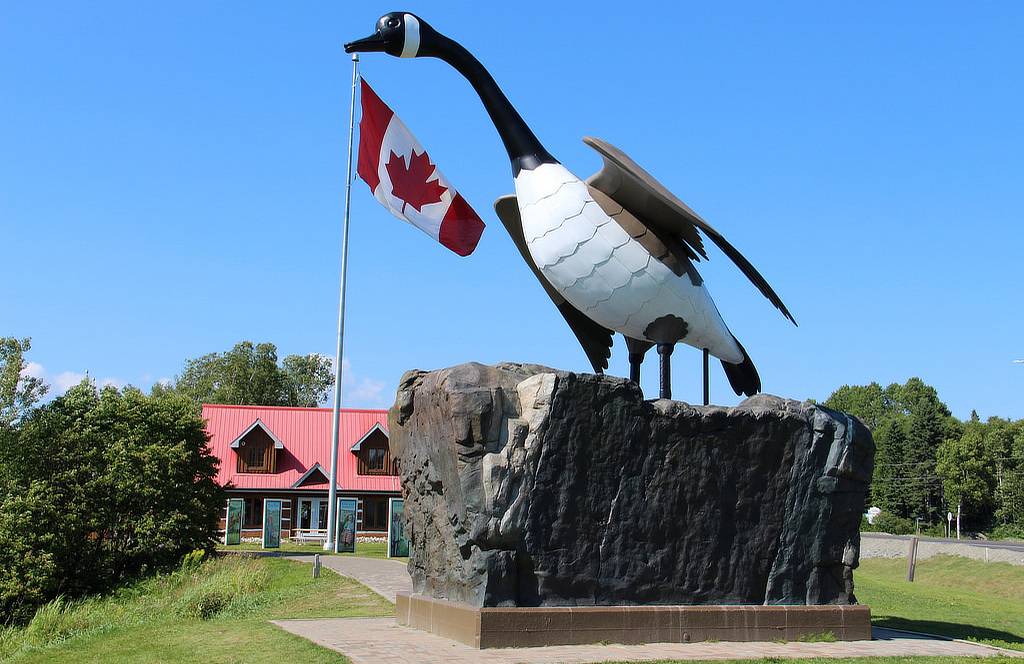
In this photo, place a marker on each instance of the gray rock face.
(528, 486)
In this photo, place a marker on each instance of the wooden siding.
(256, 454)
(374, 457)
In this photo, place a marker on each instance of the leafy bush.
(99, 487)
(193, 559)
(894, 525)
(1008, 531)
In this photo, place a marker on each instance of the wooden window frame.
(245, 451)
(387, 464)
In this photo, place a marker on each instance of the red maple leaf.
(410, 184)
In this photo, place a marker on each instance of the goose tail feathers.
(743, 376)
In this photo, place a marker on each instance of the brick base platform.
(550, 626)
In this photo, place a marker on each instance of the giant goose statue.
(615, 253)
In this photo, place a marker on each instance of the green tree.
(869, 403)
(18, 392)
(249, 374)
(1008, 445)
(309, 379)
(908, 422)
(101, 486)
(966, 467)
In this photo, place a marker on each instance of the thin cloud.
(34, 370)
(65, 380)
(359, 391)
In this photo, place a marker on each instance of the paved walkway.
(383, 576)
(372, 640)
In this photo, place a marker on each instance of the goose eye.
(392, 22)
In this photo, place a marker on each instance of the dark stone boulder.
(529, 486)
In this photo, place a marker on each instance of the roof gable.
(311, 476)
(278, 445)
(366, 436)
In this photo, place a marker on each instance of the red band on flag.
(461, 227)
(374, 122)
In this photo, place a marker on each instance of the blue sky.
(172, 176)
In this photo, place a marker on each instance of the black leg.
(637, 349)
(665, 355)
(635, 360)
(707, 387)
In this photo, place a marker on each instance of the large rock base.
(527, 486)
(516, 627)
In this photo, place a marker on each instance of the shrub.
(98, 488)
(192, 560)
(894, 525)
(1007, 531)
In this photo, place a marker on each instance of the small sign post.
(912, 559)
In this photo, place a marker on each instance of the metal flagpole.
(332, 496)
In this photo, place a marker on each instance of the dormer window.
(256, 449)
(373, 453)
(256, 456)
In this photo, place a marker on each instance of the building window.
(256, 457)
(256, 452)
(252, 515)
(375, 514)
(375, 458)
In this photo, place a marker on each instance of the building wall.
(290, 511)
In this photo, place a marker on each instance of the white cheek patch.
(412, 37)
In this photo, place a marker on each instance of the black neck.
(524, 150)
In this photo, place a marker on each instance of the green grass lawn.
(363, 549)
(218, 612)
(951, 596)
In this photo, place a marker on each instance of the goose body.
(607, 274)
(615, 253)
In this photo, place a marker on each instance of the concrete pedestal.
(505, 627)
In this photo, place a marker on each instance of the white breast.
(604, 272)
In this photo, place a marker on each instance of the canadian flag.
(403, 178)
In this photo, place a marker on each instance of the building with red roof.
(285, 453)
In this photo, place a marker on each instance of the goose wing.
(636, 190)
(596, 340)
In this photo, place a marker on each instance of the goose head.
(406, 35)
(400, 34)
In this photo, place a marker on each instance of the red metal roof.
(306, 434)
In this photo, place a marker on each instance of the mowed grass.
(951, 596)
(363, 549)
(216, 612)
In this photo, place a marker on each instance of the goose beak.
(374, 42)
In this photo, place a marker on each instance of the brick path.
(384, 577)
(372, 640)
